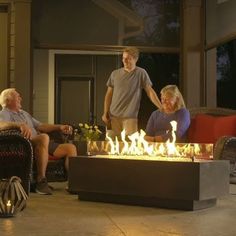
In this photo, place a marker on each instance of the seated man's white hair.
(5, 95)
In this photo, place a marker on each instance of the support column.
(211, 78)
(192, 52)
(4, 41)
(23, 82)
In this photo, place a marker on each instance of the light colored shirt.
(127, 91)
(21, 117)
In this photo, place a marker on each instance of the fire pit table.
(186, 185)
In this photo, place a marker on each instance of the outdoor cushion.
(207, 128)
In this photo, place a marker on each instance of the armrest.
(16, 156)
(225, 149)
(7, 132)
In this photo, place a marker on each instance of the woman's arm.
(183, 123)
(153, 138)
(151, 129)
(151, 125)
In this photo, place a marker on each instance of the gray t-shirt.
(22, 117)
(127, 91)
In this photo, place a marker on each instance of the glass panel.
(226, 75)
(161, 22)
(150, 151)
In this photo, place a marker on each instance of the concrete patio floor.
(63, 214)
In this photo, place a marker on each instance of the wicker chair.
(225, 149)
(16, 157)
(214, 111)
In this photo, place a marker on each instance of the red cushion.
(207, 129)
(51, 157)
(225, 126)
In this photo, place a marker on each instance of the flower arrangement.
(87, 132)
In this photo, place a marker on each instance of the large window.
(226, 75)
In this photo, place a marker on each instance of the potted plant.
(83, 134)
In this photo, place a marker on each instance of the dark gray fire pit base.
(178, 185)
(147, 201)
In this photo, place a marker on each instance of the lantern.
(12, 196)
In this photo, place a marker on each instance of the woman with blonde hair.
(158, 127)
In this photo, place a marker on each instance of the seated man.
(13, 116)
(173, 108)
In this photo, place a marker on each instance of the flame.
(135, 145)
(171, 147)
(8, 203)
(139, 146)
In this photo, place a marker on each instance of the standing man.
(34, 130)
(123, 96)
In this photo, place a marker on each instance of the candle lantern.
(12, 196)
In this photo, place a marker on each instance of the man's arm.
(153, 96)
(25, 129)
(107, 104)
(47, 128)
(8, 125)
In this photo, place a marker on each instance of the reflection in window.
(226, 75)
(160, 22)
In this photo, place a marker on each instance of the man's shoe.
(42, 187)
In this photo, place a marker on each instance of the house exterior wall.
(197, 67)
(17, 55)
